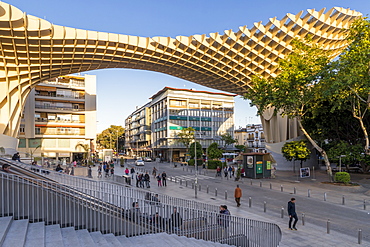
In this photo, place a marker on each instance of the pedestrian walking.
(154, 173)
(89, 172)
(132, 172)
(159, 180)
(224, 216)
(127, 171)
(237, 195)
(164, 178)
(292, 214)
(99, 171)
(147, 180)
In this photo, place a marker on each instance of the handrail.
(114, 202)
(54, 203)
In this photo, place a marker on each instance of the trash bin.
(127, 179)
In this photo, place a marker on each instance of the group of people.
(107, 167)
(229, 171)
(142, 180)
(174, 222)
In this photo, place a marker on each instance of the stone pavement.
(308, 234)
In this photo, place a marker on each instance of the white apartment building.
(252, 137)
(137, 132)
(59, 115)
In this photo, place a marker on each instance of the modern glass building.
(172, 109)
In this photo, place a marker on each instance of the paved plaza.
(319, 202)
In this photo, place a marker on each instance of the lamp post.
(340, 162)
(196, 167)
(117, 144)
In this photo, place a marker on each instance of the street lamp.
(196, 167)
(340, 161)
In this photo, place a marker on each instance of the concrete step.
(125, 241)
(53, 236)
(85, 239)
(70, 237)
(5, 223)
(16, 236)
(99, 239)
(112, 240)
(35, 234)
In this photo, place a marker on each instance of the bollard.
(343, 200)
(186, 183)
(295, 190)
(225, 194)
(250, 202)
(325, 196)
(281, 188)
(328, 227)
(270, 186)
(264, 206)
(216, 192)
(359, 236)
(260, 183)
(309, 193)
(364, 204)
(302, 219)
(199, 187)
(207, 189)
(251, 182)
(282, 212)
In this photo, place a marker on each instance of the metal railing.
(110, 208)
(53, 203)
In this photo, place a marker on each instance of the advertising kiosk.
(257, 165)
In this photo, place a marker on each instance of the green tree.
(214, 152)
(242, 148)
(350, 154)
(348, 80)
(296, 150)
(108, 138)
(186, 136)
(295, 88)
(198, 148)
(227, 139)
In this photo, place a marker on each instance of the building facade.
(137, 132)
(252, 137)
(59, 119)
(171, 110)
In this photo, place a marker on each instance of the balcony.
(54, 95)
(58, 108)
(61, 132)
(45, 120)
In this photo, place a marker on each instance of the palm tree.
(86, 149)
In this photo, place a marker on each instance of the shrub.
(342, 177)
(212, 164)
(191, 162)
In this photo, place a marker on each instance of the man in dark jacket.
(292, 214)
(176, 220)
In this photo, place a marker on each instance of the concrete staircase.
(21, 233)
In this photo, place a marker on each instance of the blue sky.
(121, 90)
